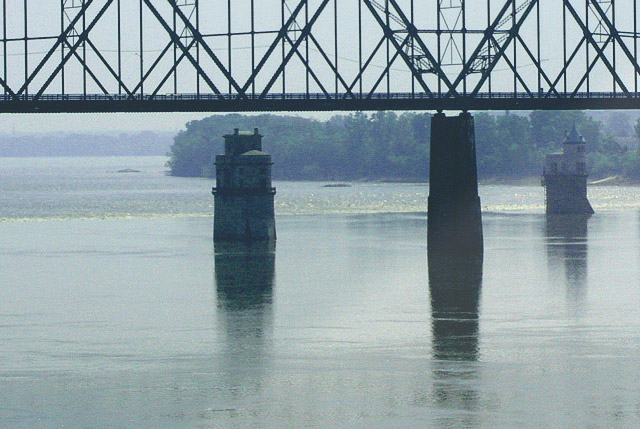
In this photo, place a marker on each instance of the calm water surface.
(116, 309)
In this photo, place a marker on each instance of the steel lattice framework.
(295, 55)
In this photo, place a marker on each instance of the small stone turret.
(565, 178)
(244, 196)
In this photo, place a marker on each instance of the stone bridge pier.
(454, 217)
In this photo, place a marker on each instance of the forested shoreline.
(390, 146)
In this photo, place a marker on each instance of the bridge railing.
(23, 98)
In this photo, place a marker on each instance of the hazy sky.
(98, 122)
(42, 123)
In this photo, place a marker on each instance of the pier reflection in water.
(566, 240)
(455, 283)
(244, 275)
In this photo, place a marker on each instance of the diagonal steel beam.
(176, 39)
(9, 90)
(305, 31)
(413, 31)
(108, 66)
(367, 62)
(566, 66)
(59, 41)
(81, 38)
(616, 35)
(386, 69)
(201, 42)
(513, 68)
(309, 69)
(153, 67)
(283, 31)
(586, 73)
(170, 72)
(388, 33)
(331, 65)
(595, 45)
(88, 70)
(536, 63)
(512, 34)
(488, 34)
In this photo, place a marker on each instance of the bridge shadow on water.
(455, 283)
(566, 242)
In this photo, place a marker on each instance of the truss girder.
(275, 49)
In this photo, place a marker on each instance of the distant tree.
(618, 124)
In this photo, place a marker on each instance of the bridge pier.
(454, 217)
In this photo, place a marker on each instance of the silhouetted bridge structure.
(313, 55)
(296, 55)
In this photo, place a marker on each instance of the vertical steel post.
(62, 71)
(489, 42)
(586, 45)
(515, 51)
(335, 41)
(464, 45)
(284, 54)
(439, 37)
(359, 44)
(141, 55)
(540, 92)
(306, 48)
(564, 45)
(4, 42)
(229, 39)
(413, 55)
(613, 21)
(386, 11)
(175, 49)
(635, 43)
(253, 46)
(26, 47)
(119, 48)
(84, 53)
(197, 5)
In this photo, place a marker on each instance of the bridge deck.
(95, 103)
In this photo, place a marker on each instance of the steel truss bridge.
(306, 55)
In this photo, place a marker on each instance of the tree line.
(388, 146)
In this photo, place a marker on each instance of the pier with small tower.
(565, 178)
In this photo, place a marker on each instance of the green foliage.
(382, 145)
(632, 165)
(387, 146)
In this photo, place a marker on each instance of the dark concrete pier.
(244, 196)
(455, 220)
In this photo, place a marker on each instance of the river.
(117, 310)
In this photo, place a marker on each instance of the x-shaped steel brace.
(489, 34)
(598, 49)
(616, 35)
(413, 31)
(281, 34)
(60, 41)
(176, 39)
(81, 38)
(388, 34)
(202, 42)
(305, 32)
